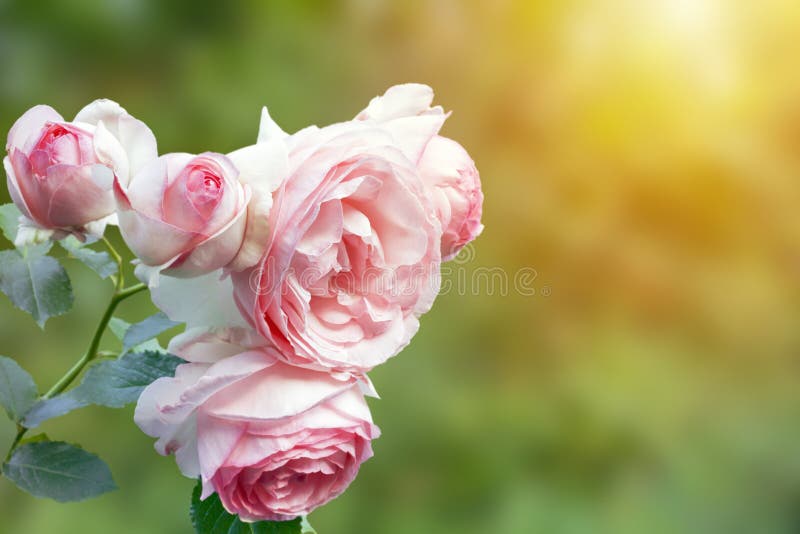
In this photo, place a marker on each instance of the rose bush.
(60, 174)
(297, 264)
(273, 440)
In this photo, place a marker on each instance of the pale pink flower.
(353, 256)
(60, 174)
(187, 215)
(273, 440)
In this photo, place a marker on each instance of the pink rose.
(455, 185)
(188, 215)
(353, 256)
(273, 440)
(60, 174)
(446, 168)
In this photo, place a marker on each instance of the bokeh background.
(641, 165)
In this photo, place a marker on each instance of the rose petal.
(13, 188)
(25, 132)
(201, 301)
(133, 135)
(216, 440)
(201, 344)
(405, 100)
(216, 251)
(268, 129)
(110, 152)
(278, 392)
(78, 198)
(139, 230)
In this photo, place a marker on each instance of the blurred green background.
(641, 165)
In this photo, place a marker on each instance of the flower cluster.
(298, 264)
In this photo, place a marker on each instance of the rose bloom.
(274, 441)
(187, 215)
(60, 174)
(353, 257)
(447, 170)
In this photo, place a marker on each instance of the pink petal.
(26, 131)
(216, 440)
(214, 344)
(13, 188)
(77, 199)
(280, 391)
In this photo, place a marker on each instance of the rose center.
(57, 146)
(204, 190)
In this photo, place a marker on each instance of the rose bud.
(60, 174)
(272, 440)
(187, 215)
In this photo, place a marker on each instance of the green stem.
(91, 353)
(20, 432)
(64, 382)
(119, 280)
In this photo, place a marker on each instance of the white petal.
(103, 177)
(98, 227)
(202, 301)
(135, 137)
(110, 152)
(263, 166)
(268, 129)
(405, 100)
(101, 109)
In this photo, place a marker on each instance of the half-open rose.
(60, 174)
(188, 215)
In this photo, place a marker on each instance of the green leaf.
(35, 283)
(35, 439)
(100, 262)
(147, 329)
(51, 408)
(17, 389)
(9, 220)
(119, 327)
(59, 471)
(113, 383)
(119, 382)
(210, 517)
